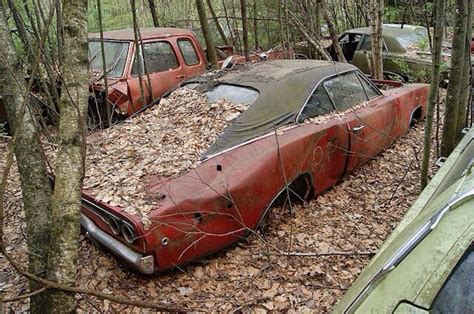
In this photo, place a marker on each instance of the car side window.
(318, 104)
(369, 89)
(457, 293)
(159, 56)
(367, 44)
(346, 91)
(187, 50)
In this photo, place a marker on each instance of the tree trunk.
(317, 18)
(211, 51)
(466, 77)
(69, 169)
(314, 42)
(453, 92)
(280, 26)
(439, 14)
(35, 185)
(255, 24)
(245, 30)
(154, 16)
(376, 21)
(216, 21)
(227, 20)
(108, 108)
(287, 31)
(333, 33)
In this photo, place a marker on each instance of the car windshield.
(416, 40)
(115, 57)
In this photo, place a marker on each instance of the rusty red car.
(170, 56)
(307, 125)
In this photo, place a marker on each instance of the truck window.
(159, 56)
(115, 57)
(187, 50)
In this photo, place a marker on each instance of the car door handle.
(356, 129)
(181, 76)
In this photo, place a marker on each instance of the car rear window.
(233, 93)
(115, 57)
(415, 39)
(159, 57)
(367, 44)
(187, 50)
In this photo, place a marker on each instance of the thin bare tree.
(376, 22)
(332, 32)
(154, 15)
(464, 103)
(255, 24)
(245, 30)
(453, 93)
(70, 164)
(35, 185)
(439, 14)
(216, 22)
(211, 51)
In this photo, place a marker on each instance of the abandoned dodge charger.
(200, 170)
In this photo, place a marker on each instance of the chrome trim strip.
(144, 264)
(292, 126)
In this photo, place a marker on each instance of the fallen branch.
(25, 296)
(314, 254)
(54, 285)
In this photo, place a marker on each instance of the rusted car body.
(273, 147)
(171, 56)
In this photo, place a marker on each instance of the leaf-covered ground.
(354, 216)
(323, 238)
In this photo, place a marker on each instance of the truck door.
(164, 70)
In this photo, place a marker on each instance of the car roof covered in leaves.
(146, 33)
(283, 86)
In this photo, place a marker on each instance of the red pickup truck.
(170, 56)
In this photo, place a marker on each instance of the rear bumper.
(143, 264)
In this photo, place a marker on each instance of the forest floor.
(354, 216)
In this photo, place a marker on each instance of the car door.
(363, 54)
(329, 151)
(193, 59)
(163, 68)
(370, 116)
(349, 43)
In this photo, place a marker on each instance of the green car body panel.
(412, 285)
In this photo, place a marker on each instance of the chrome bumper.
(144, 264)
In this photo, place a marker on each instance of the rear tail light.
(128, 233)
(114, 225)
